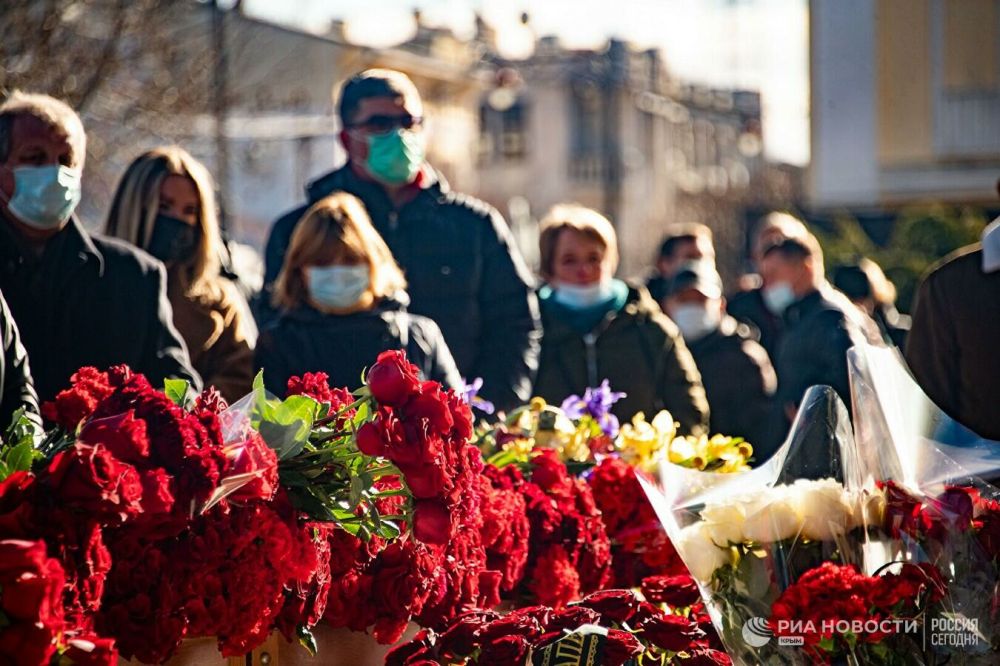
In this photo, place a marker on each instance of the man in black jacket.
(736, 371)
(16, 388)
(820, 325)
(77, 299)
(463, 269)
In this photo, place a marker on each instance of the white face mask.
(338, 286)
(778, 297)
(579, 297)
(696, 321)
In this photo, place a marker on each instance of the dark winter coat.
(89, 300)
(638, 349)
(739, 381)
(953, 347)
(463, 272)
(342, 346)
(16, 387)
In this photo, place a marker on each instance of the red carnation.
(123, 435)
(89, 479)
(393, 379)
(555, 580)
(31, 586)
(254, 457)
(88, 387)
(431, 522)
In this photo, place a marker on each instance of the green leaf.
(176, 390)
(258, 381)
(307, 640)
(286, 426)
(19, 458)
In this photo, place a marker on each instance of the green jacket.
(637, 349)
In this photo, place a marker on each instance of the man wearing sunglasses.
(462, 267)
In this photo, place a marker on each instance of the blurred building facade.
(613, 130)
(905, 99)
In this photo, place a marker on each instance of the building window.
(503, 132)
(971, 45)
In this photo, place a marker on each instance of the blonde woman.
(165, 204)
(597, 327)
(342, 302)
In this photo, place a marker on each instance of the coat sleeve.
(507, 356)
(230, 365)
(17, 390)
(443, 368)
(680, 386)
(932, 351)
(165, 356)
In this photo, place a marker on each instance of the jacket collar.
(639, 305)
(73, 244)
(811, 302)
(345, 179)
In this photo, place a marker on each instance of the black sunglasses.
(380, 124)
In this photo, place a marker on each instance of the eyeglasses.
(381, 124)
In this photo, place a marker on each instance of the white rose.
(772, 516)
(826, 508)
(699, 553)
(869, 508)
(724, 521)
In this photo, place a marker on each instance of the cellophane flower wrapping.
(940, 508)
(747, 537)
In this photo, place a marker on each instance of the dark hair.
(680, 234)
(374, 83)
(790, 248)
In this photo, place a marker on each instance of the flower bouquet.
(174, 518)
(607, 628)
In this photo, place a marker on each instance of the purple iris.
(595, 403)
(470, 393)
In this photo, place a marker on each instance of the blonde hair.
(580, 219)
(55, 113)
(336, 229)
(137, 202)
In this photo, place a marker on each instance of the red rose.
(619, 647)
(393, 379)
(614, 605)
(459, 640)
(430, 408)
(254, 457)
(572, 618)
(426, 481)
(369, 440)
(671, 632)
(676, 591)
(524, 626)
(91, 480)
(504, 651)
(431, 522)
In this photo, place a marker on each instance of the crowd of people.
(384, 255)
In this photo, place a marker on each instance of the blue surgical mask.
(579, 297)
(44, 196)
(778, 297)
(395, 158)
(338, 286)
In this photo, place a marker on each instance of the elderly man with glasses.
(461, 265)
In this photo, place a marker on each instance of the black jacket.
(90, 300)
(637, 349)
(819, 329)
(739, 381)
(342, 346)
(463, 270)
(16, 388)
(748, 307)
